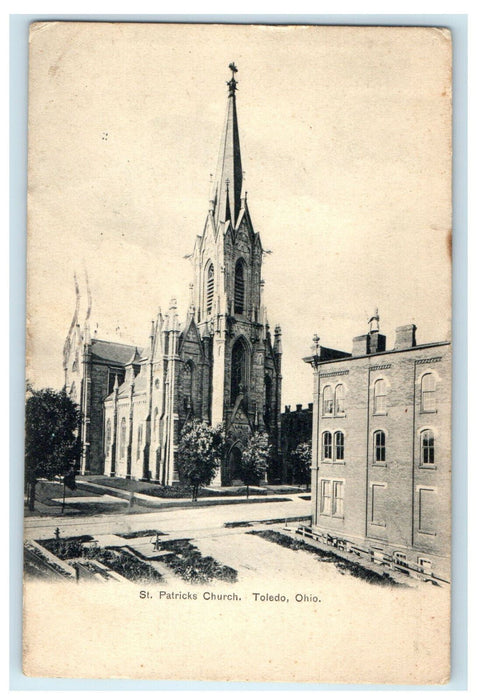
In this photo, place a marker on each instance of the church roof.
(117, 353)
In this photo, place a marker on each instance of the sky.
(345, 138)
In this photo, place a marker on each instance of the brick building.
(295, 428)
(381, 467)
(221, 365)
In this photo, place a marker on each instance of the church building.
(220, 365)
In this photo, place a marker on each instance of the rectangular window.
(325, 497)
(378, 504)
(427, 511)
(338, 499)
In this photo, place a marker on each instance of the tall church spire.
(229, 166)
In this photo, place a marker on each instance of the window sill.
(378, 524)
(430, 467)
(431, 410)
(380, 413)
(429, 534)
(338, 517)
(379, 464)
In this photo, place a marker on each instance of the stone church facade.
(221, 365)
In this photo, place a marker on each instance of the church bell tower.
(228, 301)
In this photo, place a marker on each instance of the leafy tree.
(255, 458)
(301, 463)
(200, 454)
(51, 438)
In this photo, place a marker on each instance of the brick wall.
(389, 501)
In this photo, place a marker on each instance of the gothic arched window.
(209, 292)
(238, 369)
(268, 400)
(187, 379)
(122, 439)
(239, 290)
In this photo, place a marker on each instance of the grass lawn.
(184, 558)
(46, 491)
(342, 564)
(187, 562)
(116, 559)
(146, 487)
(183, 491)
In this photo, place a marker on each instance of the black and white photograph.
(239, 360)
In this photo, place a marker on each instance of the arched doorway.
(234, 466)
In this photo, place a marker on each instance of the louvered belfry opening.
(210, 288)
(239, 295)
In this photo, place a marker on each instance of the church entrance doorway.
(234, 467)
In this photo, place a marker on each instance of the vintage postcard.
(238, 408)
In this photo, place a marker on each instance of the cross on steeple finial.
(232, 83)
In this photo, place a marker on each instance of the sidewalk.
(159, 501)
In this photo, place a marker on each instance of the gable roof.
(117, 353)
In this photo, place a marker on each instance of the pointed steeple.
(228, 176)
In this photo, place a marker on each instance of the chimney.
(405, 337)
(310, 407)
(368, 344)
(360, 345)
(377, 343)
(298, 407)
